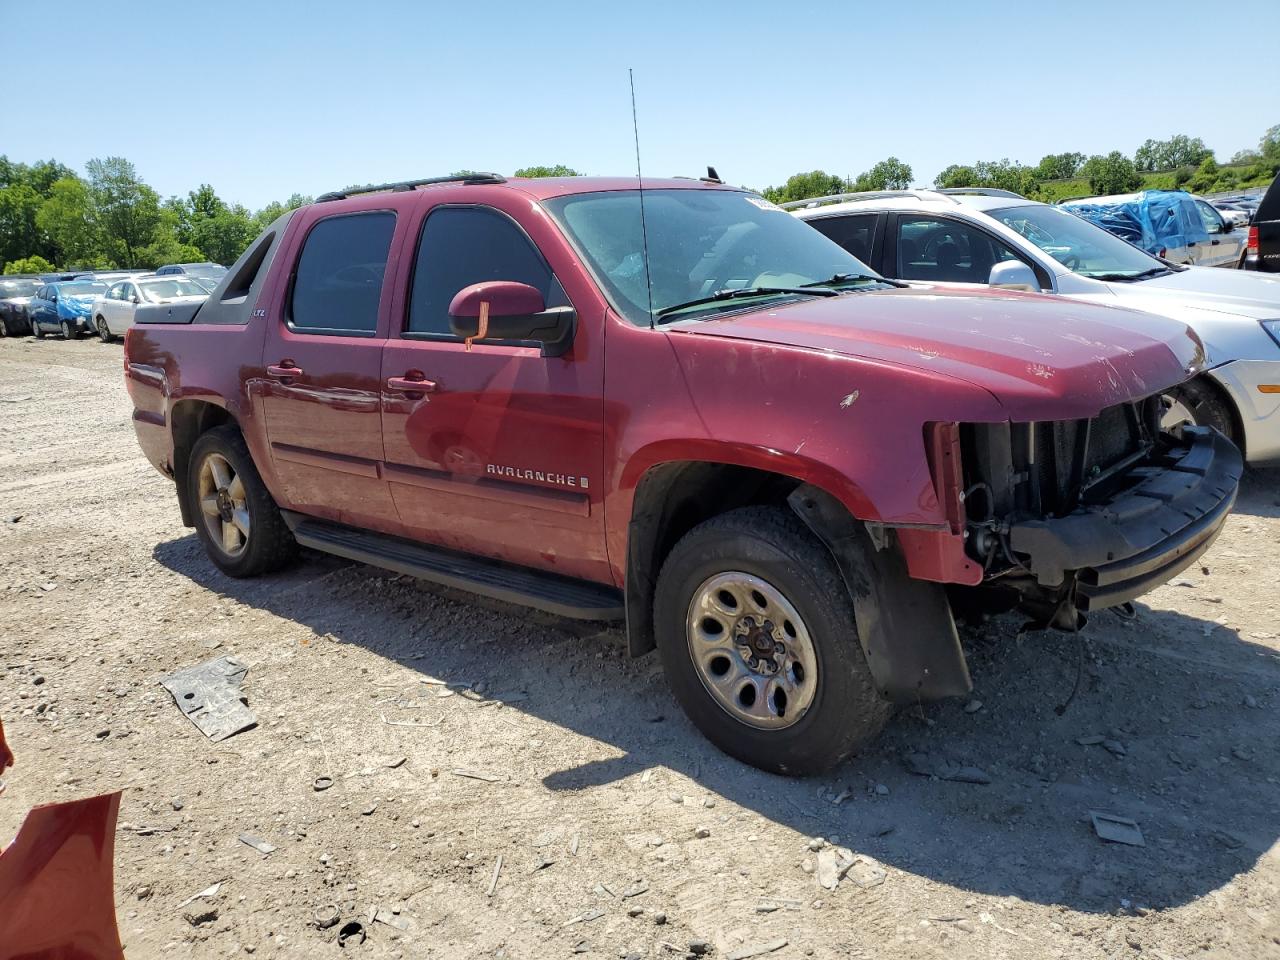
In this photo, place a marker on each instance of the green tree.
(19, 233)
(275, 209)
(28, 265)
(956, 175)
(1269, 145)
(559, 170)
(1178, 151)
(166, 248)
(1114, 173)
(223, 236)
(889, 174)
(67, 219)
(128, 211)
(1060, 166)
(802, 186)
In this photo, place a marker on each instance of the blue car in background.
(64, 307)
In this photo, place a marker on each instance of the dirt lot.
(598, 796)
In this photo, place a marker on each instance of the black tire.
(270, 544)
(36, 331)
(1207, 407)
(103, 333)
(69, 332)
(773, 545)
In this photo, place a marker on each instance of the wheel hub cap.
(223, 503)
(751, 650)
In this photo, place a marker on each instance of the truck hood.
(1041, 357)
(1239, 292)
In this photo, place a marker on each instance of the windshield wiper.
(853, 278)
(1126, 277)
(720, 295)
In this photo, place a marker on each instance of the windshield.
(82, 288)
(700, 242)
(1077, 244)
(19, 288)
(168, 288)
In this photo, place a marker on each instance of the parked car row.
(1171, 224)
(75, 303)
(997, 238)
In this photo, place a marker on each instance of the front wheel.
(756, 631)
(69, 331)
(37, 331)
(103, 332)
(236, 517)
(1198, 404)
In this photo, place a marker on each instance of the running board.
(562, 596)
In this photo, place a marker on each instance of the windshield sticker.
(764, 204)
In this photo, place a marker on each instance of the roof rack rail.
(406, 185)
(862, 195)
(981, 192)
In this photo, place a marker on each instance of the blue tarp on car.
(1154, 220)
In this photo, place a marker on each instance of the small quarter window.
(339, 278)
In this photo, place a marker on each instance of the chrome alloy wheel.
(751, 650)
(1176, 414)
(223, 504)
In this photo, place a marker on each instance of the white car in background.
(112, 313)
(997, 238)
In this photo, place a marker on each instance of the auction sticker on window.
(764, 204)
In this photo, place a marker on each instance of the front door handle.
(284, 370)
(411, 385)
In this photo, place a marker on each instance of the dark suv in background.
(15, 293)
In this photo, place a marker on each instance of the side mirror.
(1227, 225)
(135, 299)
(516, 311)
(53, 298)
(1014, 275)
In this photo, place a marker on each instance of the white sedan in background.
(112, 312)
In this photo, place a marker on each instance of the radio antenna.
(644, 233)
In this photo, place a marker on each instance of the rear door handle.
(284, 370)
(411, 385)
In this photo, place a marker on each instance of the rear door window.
(854, 233)
(338, 283)
(465, 245)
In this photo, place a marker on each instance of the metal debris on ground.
(203, 894)
(326, 917)
(1117, 829)
(211, 697)
(758, 950)
(635, 890)
(586, 917)
(322, 783)
(261, 846)
(493, 881)
(475, 775)
(389, 917)
(352, 932)
(923, 765)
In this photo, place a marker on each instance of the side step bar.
(562, 596)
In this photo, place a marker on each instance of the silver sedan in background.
(112, 313)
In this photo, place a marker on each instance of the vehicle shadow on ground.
(1259, 492)
(1181, 759)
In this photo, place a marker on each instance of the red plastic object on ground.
(56, 892)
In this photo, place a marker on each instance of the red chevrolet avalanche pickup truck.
(681, 406)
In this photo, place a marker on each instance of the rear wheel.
(236, 517)
(1198, 404)
(757, 636)
(103, 332)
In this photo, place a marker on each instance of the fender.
(905, 625)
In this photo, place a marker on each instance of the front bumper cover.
(1131, 544)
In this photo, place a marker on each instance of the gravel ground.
(596, 795)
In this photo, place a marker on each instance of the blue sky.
(265, 99)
